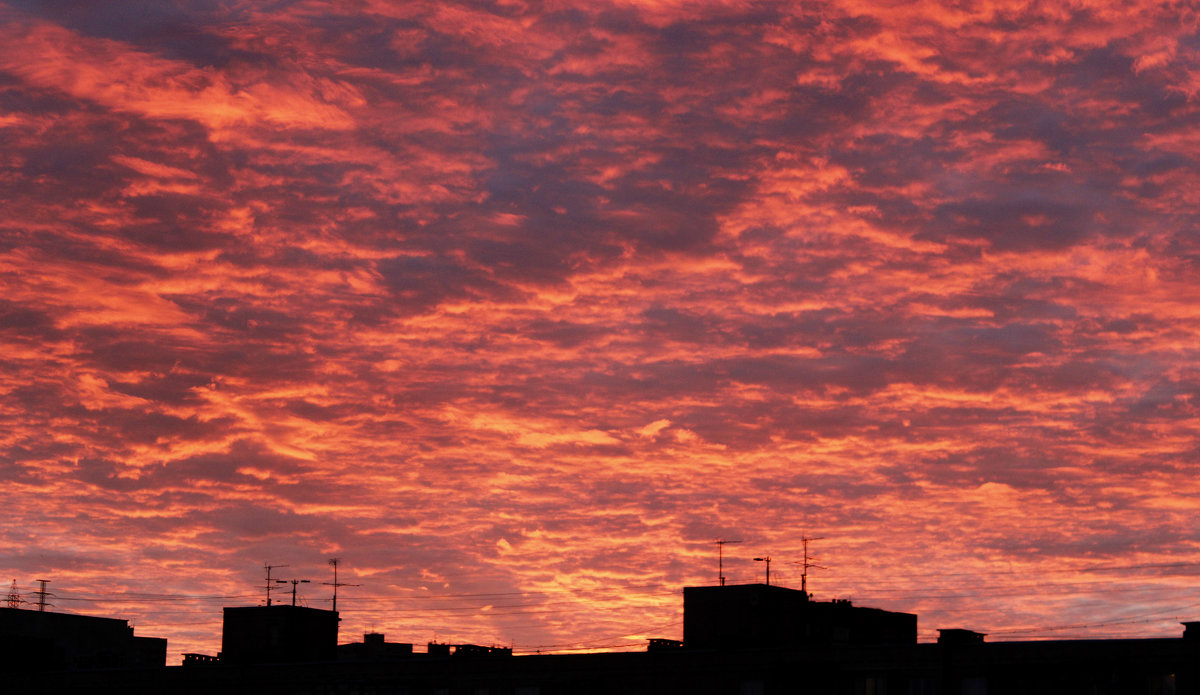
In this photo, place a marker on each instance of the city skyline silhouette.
(519, 307)
(744, 638)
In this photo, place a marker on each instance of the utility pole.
(720, 542)
(766, 559)
(335, 584)
(14, 597)
(269, 584)
(807, 563)
(42, 594)
(293, 582)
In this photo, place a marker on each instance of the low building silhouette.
(443, 649)
(374, 648)
(479, 650)
(960, 636)
(761, 615)
(36, 641)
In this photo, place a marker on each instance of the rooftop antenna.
(766, 559)
(269, 584)
(720, 542)
(807, 563)
(335, 584)
(42, 594)
(293, 582)
(14, 596)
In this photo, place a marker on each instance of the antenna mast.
(269, 584)
(42, 594)
(335, 584)
(766, 559)
(720, 543)
(14, 597)
(293, 582)
(807, 564)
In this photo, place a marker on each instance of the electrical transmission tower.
(335, 583)
(14, 596)
(42, 594)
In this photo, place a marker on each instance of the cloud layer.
(517, 306)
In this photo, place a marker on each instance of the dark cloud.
(27, 322)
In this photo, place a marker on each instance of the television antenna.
(720, 543)
(807, 564)
(335, 583)
(269, 584)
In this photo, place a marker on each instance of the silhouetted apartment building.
(33, 641)
(760, 615)
(278, 634)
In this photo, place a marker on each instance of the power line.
(405, 604)
(978, 591)
(552, 650)
(133, 598)
(1081, 626)
(653, 589)
(893, 576)
(484, 613)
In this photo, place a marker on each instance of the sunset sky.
(516, 307)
